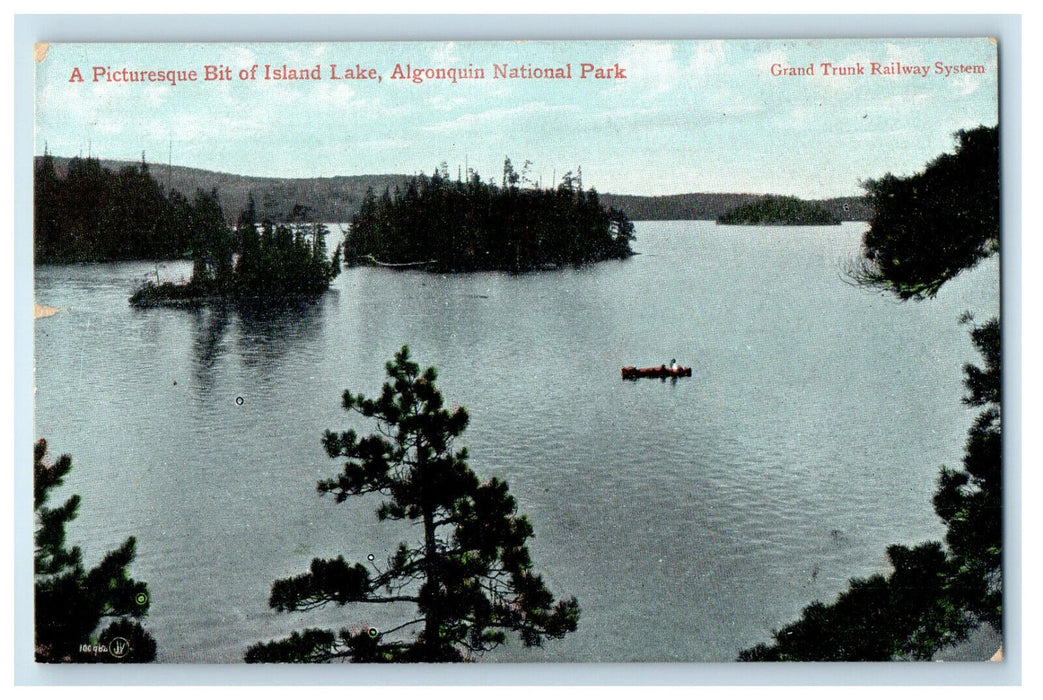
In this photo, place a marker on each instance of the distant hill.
(328, 198)
(334, 199)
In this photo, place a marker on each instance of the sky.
(691, 116)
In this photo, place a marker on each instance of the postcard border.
(234, 28)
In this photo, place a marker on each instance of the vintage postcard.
(545, 351)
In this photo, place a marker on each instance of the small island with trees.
(776, 210)
(92, 214)
(254, 264)
(460, 226)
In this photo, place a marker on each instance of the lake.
(689, 517)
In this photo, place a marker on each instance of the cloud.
(911, 54)
(388, 143)
(707, 58)
(966, 83)
(500, 115)
(445, 102)
(763, 61)
(444, 53)
(194, 126)
(651, 69)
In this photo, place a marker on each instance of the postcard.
(534, 351)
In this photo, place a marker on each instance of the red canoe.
(661, 371)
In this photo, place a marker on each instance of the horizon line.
(421, 172)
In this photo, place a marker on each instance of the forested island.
(775, 210)
(254, 263)
(92, 214)
(455, 226)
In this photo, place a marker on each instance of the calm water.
(689, 518)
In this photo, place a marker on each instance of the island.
(85, 212)
(775, 210)
(261, 263)
(447, 225)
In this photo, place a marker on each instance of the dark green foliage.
(212, 246)
(904, 615)
(782, 211)
(470, 576)
(93, 214)
(970, 500)
(458, 226)
(255, 263)
(929, 227)
(926, 230)
(934, 596)
(70, 601)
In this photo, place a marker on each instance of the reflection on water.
(208, 345)
(260, 336)
(268, 333)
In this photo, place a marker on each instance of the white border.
(225, 28)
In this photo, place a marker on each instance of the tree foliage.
(470, 576)
(926, 230)
(258, 261)
(71, 601)
(459, 226)
(783, 211)
(94, 214)
(929, 227)
(906, 614)
(970, 500)
(934, 596)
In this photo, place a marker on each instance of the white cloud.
(388, 143)
(763, 62)
(195, 125)
(446, 103)
(966, 83)
(910, 54)
(444, 53)
(499, 115)
(707, 57)
(651, 69)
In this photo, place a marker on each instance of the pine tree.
(926, 229)
(929, 227)
(71, 602)
(213, 246)
(470, 577)
(970, 500)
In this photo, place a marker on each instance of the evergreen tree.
(457, 226)
(933, 597)
(47, 227)
(929, 227)
(72, 602)
(926, 229)
(93, 214)
(970, 500)
(906, 615)
(212, 247)
(470, 576)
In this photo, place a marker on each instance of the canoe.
(662, 371)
